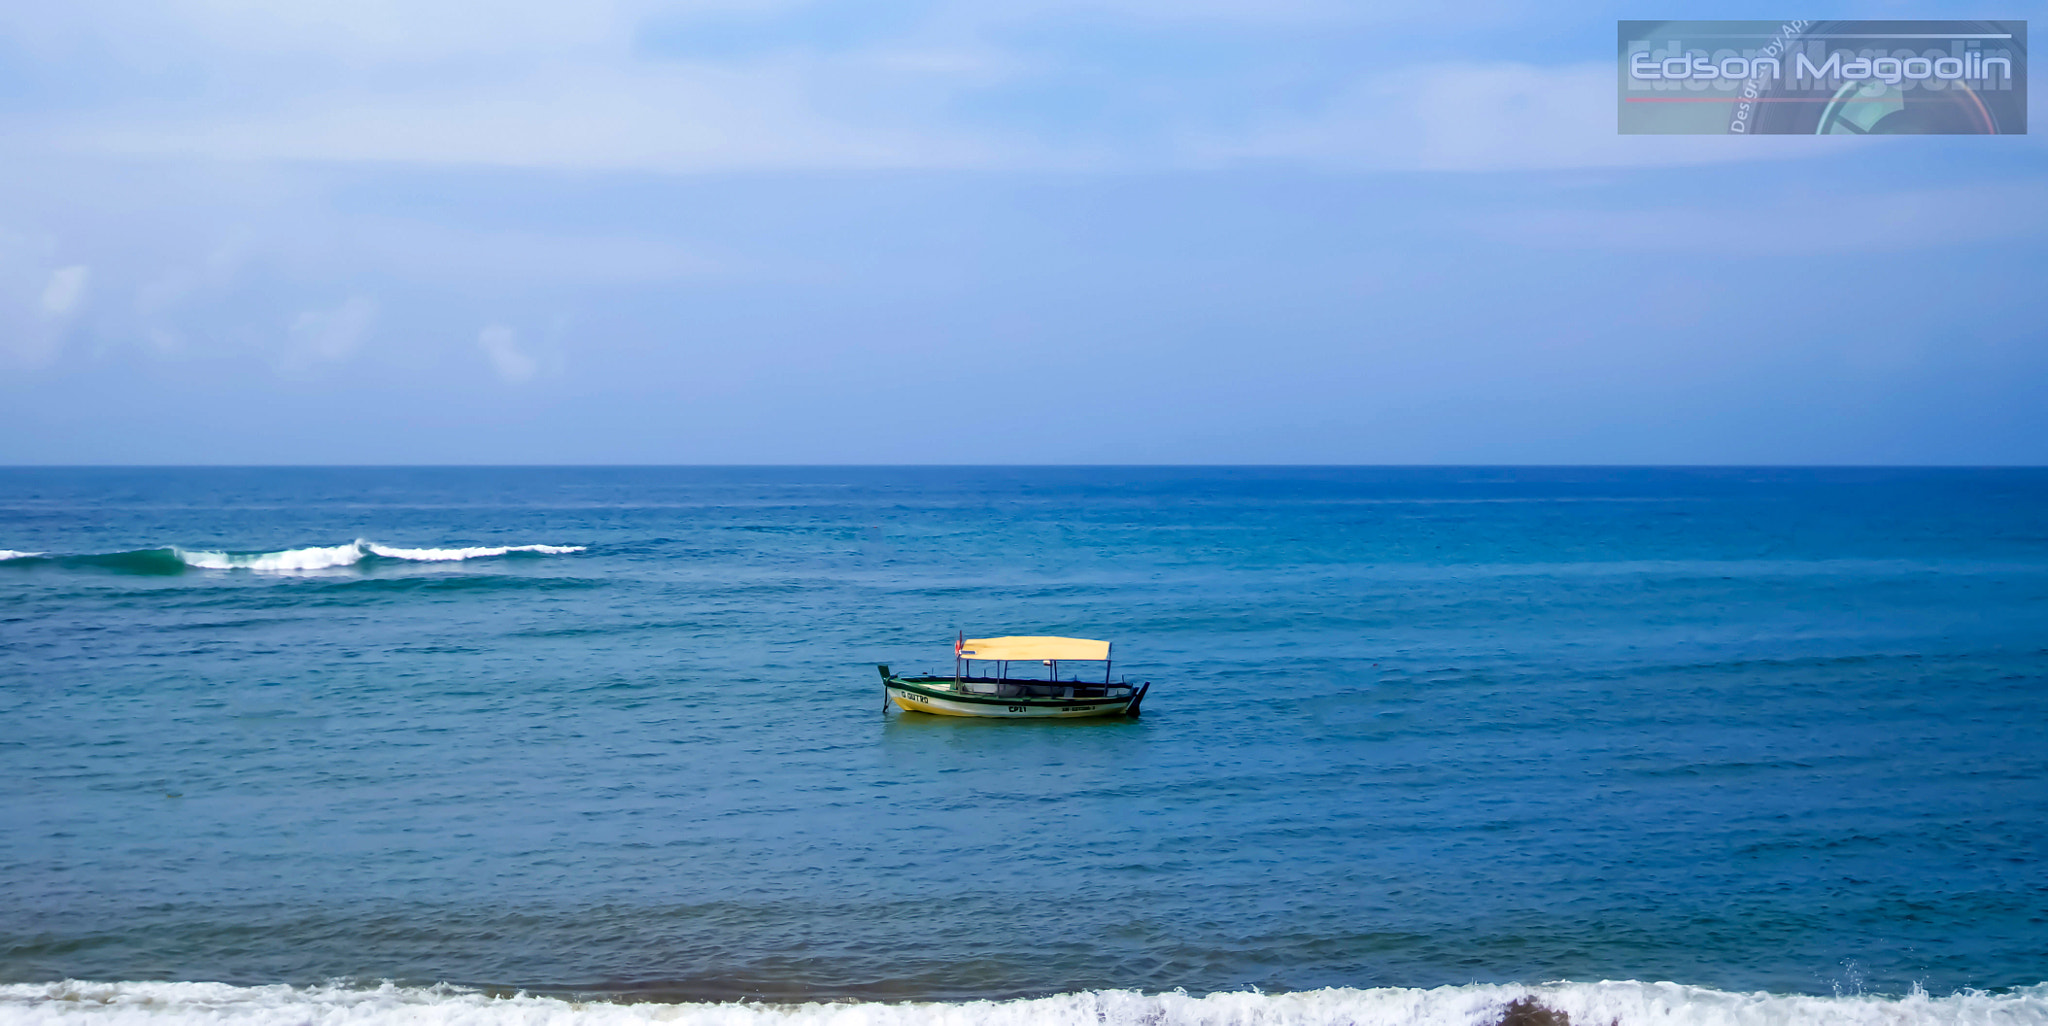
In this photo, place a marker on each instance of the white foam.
(473, 552)
(1588, 1004)
(316, 558)
(331, 556)
(7, 554)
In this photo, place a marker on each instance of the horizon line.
(1022, 466)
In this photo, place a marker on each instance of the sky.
(942, 232)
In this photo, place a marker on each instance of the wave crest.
(329, 557)
(172, 560)
(1624, 1002)
(316, 558)
(473, 552)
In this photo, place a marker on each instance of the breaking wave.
(315, 558)
(1559, 1004)
(173, 559)
(473, 552)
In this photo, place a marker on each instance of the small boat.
(996, 693)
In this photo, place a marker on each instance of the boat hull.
(935, 701)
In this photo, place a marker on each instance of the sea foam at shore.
(1625, 1002)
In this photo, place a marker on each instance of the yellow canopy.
(1033, 648)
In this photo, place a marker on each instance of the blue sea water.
(1771, 730)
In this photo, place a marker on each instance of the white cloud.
(329, 336)
(352, 31)
(358, 33)
(38, 301)
(486, 83)
(892, 109)
(464, 82)
(499, 343)
(65, 290)
(582, 116)
(163, 297)
(1484, 117)
(424, 251)
(1865, 221)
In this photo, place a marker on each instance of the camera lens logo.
(1822, 78)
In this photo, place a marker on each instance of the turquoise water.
(1740, 729)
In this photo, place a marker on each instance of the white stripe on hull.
(912, 701)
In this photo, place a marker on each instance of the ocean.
(1423, 745)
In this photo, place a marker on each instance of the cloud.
(499, 344)
(954, 86)
(899, 110)
(1501, 116)
(65, 290)
(587, 117)
(329, 336)
(38, 302)
(1837, 221)
(424, 251)
(159, 32)
(165, 295)
(497, 84)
